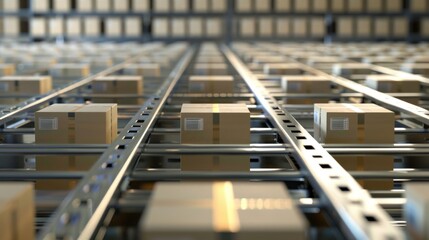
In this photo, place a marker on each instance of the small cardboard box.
(200, 5)
(247, 27)
(211, 84)
(347, 69)
(306, 84)
(416, 68)
(214, 124)
(282, 5)
(299, 27)
(180, 6)
(363, 26)
(7, 69)
(68, 124)
(160, 27)
(211, 69)
(178, 27)
(195, 27)
(345, 27)
(91, 26)
(302, 6)
(283, 69)
(118, 85)
(262, 5)
(416, 210)
(17, 211)
(243, 5)
(161, 6)
(355, 5)
(214, 27)
(102, 5)
(265, 26)
(69, 70)
(113, 26)
(31, 85)
(357, 123)
(211, 210)
(143, 69)
(392, 84)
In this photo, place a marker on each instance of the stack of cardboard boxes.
(306, 84)
(211, 84)
(392, 84)
(357, 123)
(219, 210)
(69, 124)
(17, 211)
(30, 85)
(215, 124)
(118, 85)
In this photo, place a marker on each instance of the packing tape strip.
(225, 216)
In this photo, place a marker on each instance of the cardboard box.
(363, 26)
(17, 211)
(61, 6)
(69, 70)
(262, 6)
(317, 27)
(320, 6)
(355, 5)
(357, 123)
(11, 26)
(219, 5)
(243, 5)
(282, 69)
(299, 28)
(121, 6)
(195, 27)
(69, 124)
(416, 210)
(375, 5)
(91, 26)
(178, 27)
(84, 6)
(211, 210)
(305, 84)
(200, 5)
(180, 5)
(41, 5)
(283, 27)
(140, 6)
(7, 69)
(211, 84)
(400, 27)
(337, 6)
(161, 5)
(265, 27)
(345, 27)
(102, 5)
(382, 27)
(247, 27)
(418, 6)
(347, 69)
(282, 5)
(302, 5)
(160, 27)
(118, 85)
(211, 69)
(133, 27)
(214, 124)
(214, 27)
(30, 85)
(73, 27)
(392, 84)
(56, 26)
(113, 27)
(143, 69)
(394, 6)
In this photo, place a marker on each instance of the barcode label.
(48, 124)
(339, 124)
(194, 124)
(4, 87)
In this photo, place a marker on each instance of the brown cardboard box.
(299, 27)
(247, 26)
(178, 27)
(215, 124)
(243, 5)
(392, 84)
(416, 68)
(161, 6)
(265, 26)
(400, 27)
(214, 27)
(211, 84)
(118, 85)
(283, 26)
(418, 6)
(394, 6)
(180, 6)
(144, 69)
(68, 124)
(375, 5)
(345, 27)
(282, 5)
(17, 211)
(7, 69)
(363, 26)
(347, 69)
(416, 210)
(337, 6)
(355, 5)
(306, 84)
(69, 70)
(30, 85)
(382, 27)
(206, 210)
(160, 27)
(317, 27)
(302, 5)
(282, 69)
(195, 27)
(320, 6)
(262, 5)
(211, 69)
(357, 123)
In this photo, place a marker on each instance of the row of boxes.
(371, 27)
(282, 26)
(191, 27)
(213, 210)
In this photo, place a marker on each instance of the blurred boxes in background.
(143, 69)
(357, 123)
(392, 84)
(69, 70)
(26, 85)
(7, 69)
(305, 84)
(70, 124)
(118, 85)
(211, 84)
(210, 210)
(283, 69)
(211, 69)
(214, 124)
(17, 211)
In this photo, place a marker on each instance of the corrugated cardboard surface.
(215, 124)
(210, 209)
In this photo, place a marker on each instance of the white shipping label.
(48, 124)
(339, 124)
(194, 124)
(4, 87)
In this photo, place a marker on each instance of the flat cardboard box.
(143, 69)
(282, 5)
(7, 69)
(118, 85)
(305, 84)
(211, 84)
(392, 84)
(209, 210)
(69, 70)
(214, 124)
(211, 69)
(282, 69)
(357, 123)
(69, 124)
(17, 211)
(416, 210)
